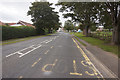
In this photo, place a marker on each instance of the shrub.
(17, 32)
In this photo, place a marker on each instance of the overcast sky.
(15, 10)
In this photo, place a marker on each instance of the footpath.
(110, 60)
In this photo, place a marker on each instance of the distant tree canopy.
(83, 12)
(68, 25)
(90, 13)
(43, 17)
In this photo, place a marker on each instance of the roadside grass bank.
(5, 42)
(99, 43)
(80, 42)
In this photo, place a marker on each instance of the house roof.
(25, 24)
(11, 23)
(1, 23)
(18, 23)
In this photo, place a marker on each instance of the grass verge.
(21, 39)
(80, 42)
(100, 43)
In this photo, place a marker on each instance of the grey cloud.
(15, 10)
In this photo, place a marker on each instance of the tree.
(43, 17)
(83, 12)
(114, 12)
(68, 25)
(105, 13)
(81, 26)
(105, 19)
(110, 16)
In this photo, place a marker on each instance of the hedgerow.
(9, 32)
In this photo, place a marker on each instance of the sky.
(15, 10)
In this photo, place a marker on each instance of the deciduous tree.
(43, 16)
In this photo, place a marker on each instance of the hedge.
(9, 32)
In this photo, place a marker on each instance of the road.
(55, 56)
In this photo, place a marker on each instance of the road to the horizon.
(55, 56)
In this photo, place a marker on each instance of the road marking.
(44, 41)
(18, 51)
(20, 77)
(46, 51)
(30, 51)
(36, 62)
(44, 67)
(92, 74)
(94, 71)
(48, 41)
(78, 46)
(75, 70)
(51, 47)
(83, 64)
(88, 60)
(32, 46)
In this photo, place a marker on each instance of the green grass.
(80, 42)
(100, 43)
(20, 39)
(108, 33)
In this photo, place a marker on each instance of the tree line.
(91, 14)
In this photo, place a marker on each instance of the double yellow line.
(83, 53)
(87, 59)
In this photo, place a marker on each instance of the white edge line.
(96, 69)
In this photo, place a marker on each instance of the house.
(20, 23)
(2, 24)
(10, 24)
(100, 28)
(25, 24)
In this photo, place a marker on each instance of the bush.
(17, 32)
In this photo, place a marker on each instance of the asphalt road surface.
(55, 56)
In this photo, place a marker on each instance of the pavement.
(55, 56)
(108, 59)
